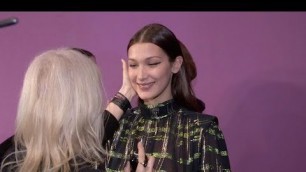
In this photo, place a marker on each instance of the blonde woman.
(61, 115)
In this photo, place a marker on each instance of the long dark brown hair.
(163, 37)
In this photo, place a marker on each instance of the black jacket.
(111, 125)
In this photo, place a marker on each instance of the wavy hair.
(59, 120)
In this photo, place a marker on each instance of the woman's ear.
(176, 66)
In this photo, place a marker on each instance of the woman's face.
(150, 72)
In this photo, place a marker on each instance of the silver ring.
(145, 163)
(142, 163)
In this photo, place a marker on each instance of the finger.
(124, 69)
(141, 157)
(127, 167)
(141, 152)
(150, 165)
(126, 88)
(148, 168)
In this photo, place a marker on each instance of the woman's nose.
(142, 73)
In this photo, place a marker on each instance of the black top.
(180, 140)
(111, 124)
(4, 146)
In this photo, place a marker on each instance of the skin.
(141, 158)
(150, 72)
(126, 89)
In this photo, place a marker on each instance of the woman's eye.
(132, 65)
(154, 64)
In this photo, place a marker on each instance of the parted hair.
(59, 118)
(164, 38)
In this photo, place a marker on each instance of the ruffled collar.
(159, 111)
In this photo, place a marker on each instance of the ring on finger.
(142, 163)
(145, 163)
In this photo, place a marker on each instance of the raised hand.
(126, 88)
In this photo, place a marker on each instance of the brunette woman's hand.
(126, 88)
(145, 163)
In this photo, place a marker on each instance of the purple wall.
(251, 71)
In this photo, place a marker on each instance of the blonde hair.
(60, 113)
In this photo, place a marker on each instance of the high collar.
(159, 111)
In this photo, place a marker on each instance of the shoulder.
(8, 159)
(209, 118)
(7, 143)
(6, 147)
(203, 118)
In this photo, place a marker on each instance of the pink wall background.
(251, 71)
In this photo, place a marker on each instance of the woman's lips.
(145, 86)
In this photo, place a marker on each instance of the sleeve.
(7, 159)
(111, 124)
(215, 155)
(5, 145)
